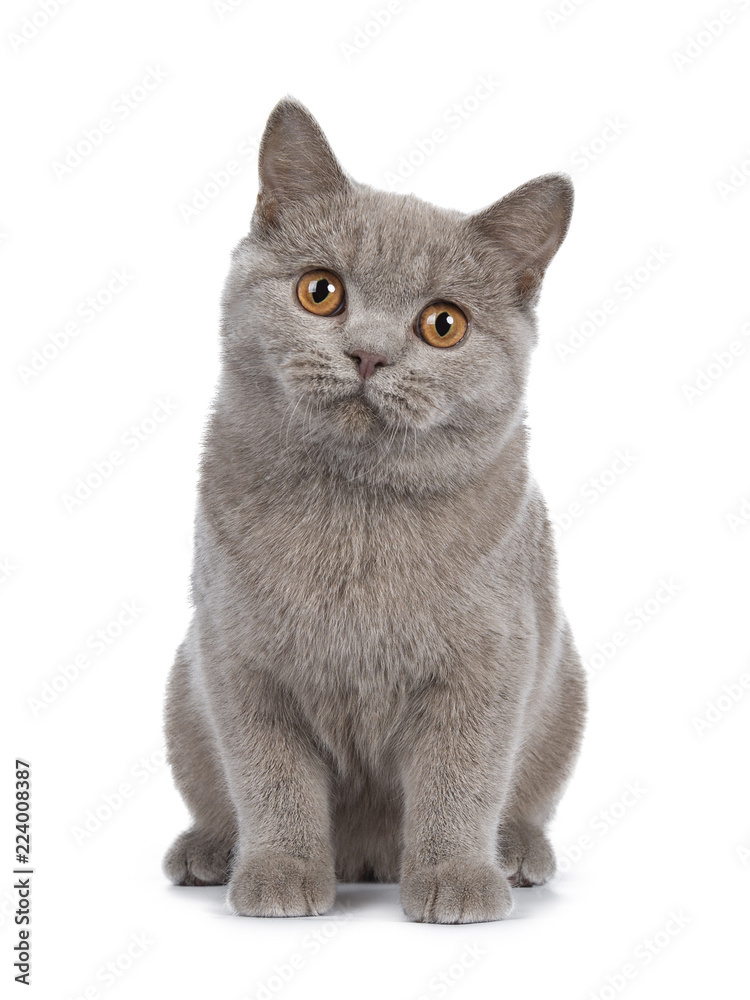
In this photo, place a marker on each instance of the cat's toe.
(455, 893)
(198, 858)
(527, 856)
(271, 884)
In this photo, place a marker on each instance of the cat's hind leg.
(202, 854)
(526, 854)
(198, 858)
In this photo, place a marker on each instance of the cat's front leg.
(284, 865)
(455, 775)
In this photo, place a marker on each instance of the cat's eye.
(442, 324)
(321, 292)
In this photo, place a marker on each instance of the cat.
(378, 682)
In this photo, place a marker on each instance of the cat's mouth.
(379, 408)
(358, 411)
(369, 406)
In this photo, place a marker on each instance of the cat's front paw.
(272, 884)
(455, 892)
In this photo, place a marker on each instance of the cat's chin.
(355, 415)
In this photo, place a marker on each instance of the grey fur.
(378, 681)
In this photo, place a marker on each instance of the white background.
(660, 179)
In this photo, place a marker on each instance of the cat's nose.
(368, 362)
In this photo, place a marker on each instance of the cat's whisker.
(289, 422)
(370, 468)
(405, 438)
(307, 422)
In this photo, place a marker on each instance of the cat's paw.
(526, 855)
(455, 892)
(272, 884)
(198, 858)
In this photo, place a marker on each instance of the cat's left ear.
(528, 225)
(295, 161)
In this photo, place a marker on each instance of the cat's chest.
(341, 579)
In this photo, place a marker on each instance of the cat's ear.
(295, 161)
(528, 225)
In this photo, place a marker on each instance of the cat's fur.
(378, 682)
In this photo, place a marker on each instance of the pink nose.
(368, 362)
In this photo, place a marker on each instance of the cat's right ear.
(295, 161)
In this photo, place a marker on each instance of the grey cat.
(378, 682)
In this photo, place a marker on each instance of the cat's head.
(389, 338)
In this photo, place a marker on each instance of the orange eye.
(442, 324)
(321, 292)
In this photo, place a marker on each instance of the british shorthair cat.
(378, 682)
